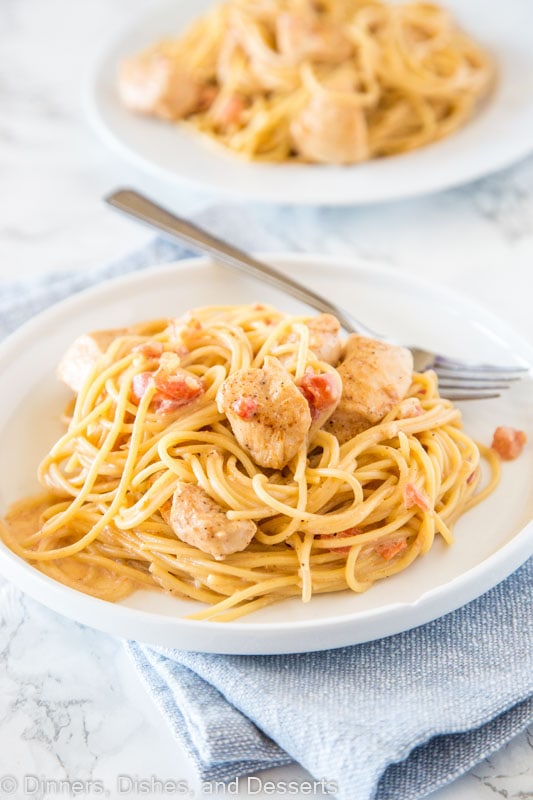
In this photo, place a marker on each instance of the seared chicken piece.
(83, 354)
(268, 414)
(198, 520)
(301, 37)
(157, 84)
(332, 127)
(375, 376)
(330, 132)
(324, 340)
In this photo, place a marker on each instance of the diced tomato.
(411, 408)
(320, 391)
(173, 390)
(166, 405)
(149, 349)
(181, 387)
(390, 549)
(508, 442)
(471, 477)
(228, 111)
(341, 535)
(245, 407)
(141, 382)
(412, 496)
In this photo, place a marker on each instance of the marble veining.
(506, 201)
(72, 709)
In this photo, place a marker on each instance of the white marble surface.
(71, 706)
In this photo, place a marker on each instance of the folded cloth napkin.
(392, 719)
(395, 718)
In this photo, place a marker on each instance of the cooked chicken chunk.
(83, 354)
(198, 520)
(324, 340)
(155, 83)
(330, 132)
(375, 376)
(301, 37)
(332, 128)
(268, 414)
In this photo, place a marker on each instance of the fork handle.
(141, 208)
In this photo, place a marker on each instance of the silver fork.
(457, 380)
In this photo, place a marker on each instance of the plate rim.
(93, 108)
(348, 263)
(338, 629)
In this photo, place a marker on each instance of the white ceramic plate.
(492, 539)
(500, 134)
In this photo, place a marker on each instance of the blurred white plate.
(498, 135)
(491, 540)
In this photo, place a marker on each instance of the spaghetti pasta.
(148, 419)
(331, 81)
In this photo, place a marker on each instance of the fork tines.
(460, 381)
(477, 371)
